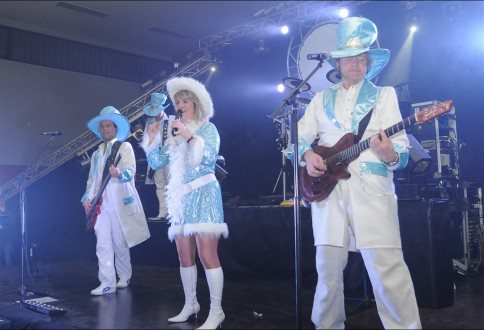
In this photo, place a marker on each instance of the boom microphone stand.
(289, 100)
(23, 217)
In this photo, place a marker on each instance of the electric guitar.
(347, 149)
(95, 209)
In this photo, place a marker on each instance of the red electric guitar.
(95, 209)
(347, 149)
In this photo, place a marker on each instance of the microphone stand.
(289, 100)
(23, 218)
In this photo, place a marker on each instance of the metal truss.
(89, 140)
(290, 11)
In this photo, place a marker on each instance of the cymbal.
(294, 82)
(304, 100)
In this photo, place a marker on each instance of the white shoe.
(101, 290)
(187, 311)
(122, 283)
(214, 320)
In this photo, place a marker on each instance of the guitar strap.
(363, 124)
(111, 158)
(165, 131)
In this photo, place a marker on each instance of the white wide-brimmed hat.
(112, 114)
(354, 37)
(175, 85)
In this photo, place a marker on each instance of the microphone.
(178, 115)
(52, 133)
(319, 57)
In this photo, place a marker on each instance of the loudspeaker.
(425, 227)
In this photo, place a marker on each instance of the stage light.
(407, 5)
(452, 11)
(419, 160)
(285, 29)
(176, 65)
(84, 162)
(261, 47)
(213, 68)
(280, 88)
(413, 29)
(414, 20)
(343, 13)
(146, 84)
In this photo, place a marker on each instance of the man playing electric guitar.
(121, 223)
(360, 213)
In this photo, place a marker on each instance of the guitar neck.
(96, 198)
(365, 144)
(407, 122)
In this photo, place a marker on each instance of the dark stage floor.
(155, 294)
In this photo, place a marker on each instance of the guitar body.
(95, 209)
(93, 218)
(318, 188)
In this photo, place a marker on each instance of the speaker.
(425, 227)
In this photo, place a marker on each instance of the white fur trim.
(194, 229)
(177, 148)
(177, 84)
(147, 146)
(196, 151)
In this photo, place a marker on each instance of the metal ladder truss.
(286, 12)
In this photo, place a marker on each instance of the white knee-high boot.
(215, 280)
(189, 281)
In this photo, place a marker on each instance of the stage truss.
(287, 12)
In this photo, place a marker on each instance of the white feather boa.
(180, 158)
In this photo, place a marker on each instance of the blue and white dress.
(193, 194)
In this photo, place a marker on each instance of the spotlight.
(414, 20)
(343, 13)
(420, 160)
(84, 162)
(407, 5)
(452, 11)
(146, 84)
(176, 65)
(285, 29)
(262, 48)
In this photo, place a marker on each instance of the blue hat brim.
(121, 122)
(379, 58)
(149, 111)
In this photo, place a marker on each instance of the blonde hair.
(199, 110)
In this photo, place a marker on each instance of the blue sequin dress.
(198, 211)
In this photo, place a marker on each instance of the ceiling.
(155, 29)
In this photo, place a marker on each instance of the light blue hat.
(112, 114)
(354, 37)
(156, 104)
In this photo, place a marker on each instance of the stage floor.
(155, 294)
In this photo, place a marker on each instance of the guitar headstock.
(433, 111)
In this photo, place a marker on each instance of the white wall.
(35, 99)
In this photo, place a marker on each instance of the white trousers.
(161, 180)
(389, 276)
(111, 249)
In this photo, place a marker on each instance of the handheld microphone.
(178, 115)
(319, 57)
(52, 133)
